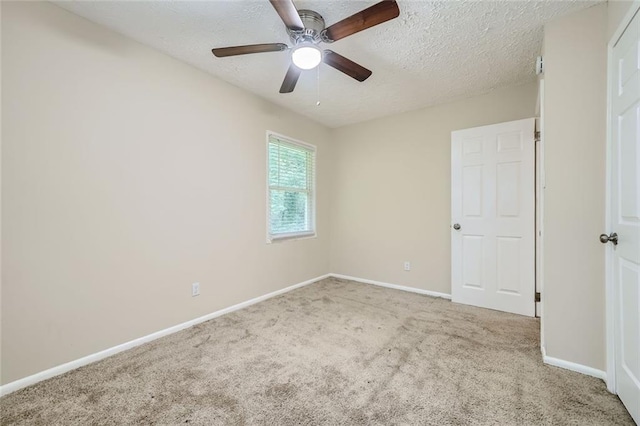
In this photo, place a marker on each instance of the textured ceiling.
(434, 52)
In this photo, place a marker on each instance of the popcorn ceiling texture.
(434, 52)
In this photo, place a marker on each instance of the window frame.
(311, 199)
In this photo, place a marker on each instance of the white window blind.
(291, 197)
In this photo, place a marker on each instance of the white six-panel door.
(625, 214)
(493, 207)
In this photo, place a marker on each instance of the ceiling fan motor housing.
(313, 26)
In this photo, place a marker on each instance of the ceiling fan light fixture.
(306, 56)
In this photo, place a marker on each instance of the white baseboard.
(568, 365)
(72, 365)
(394, 286)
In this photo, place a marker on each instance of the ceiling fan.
(307, 30)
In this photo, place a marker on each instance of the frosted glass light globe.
(306, 56)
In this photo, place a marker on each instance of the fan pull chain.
(318, 84)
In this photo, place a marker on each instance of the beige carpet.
(336, 353)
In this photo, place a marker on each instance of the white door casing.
(624, 214)
(539, 209)
(539, 201)
(493, 202)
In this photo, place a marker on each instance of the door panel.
(625, 214)
(472, 146)
(628, 122)
(629, 295)
(508, 265)
(472, 266)
(510, 142)
(508, 181)
(492, 199)
(472, 191)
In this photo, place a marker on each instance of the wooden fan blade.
(250, 48)
(346, 66)
(290, 80)
(288, 13)
(374, 15)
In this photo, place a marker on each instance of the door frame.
(539, 207)
(609, 286)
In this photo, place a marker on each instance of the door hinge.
(537, 296)
(536, 136)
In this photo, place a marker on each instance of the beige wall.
(392, 188)
(616, 11)
(126, 176)
(575, 141)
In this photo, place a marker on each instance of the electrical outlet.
(407, 266)
(195, 289)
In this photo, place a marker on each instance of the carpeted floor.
(337, 353)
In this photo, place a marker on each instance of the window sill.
(291, 237)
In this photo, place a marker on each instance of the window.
(291, 193)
